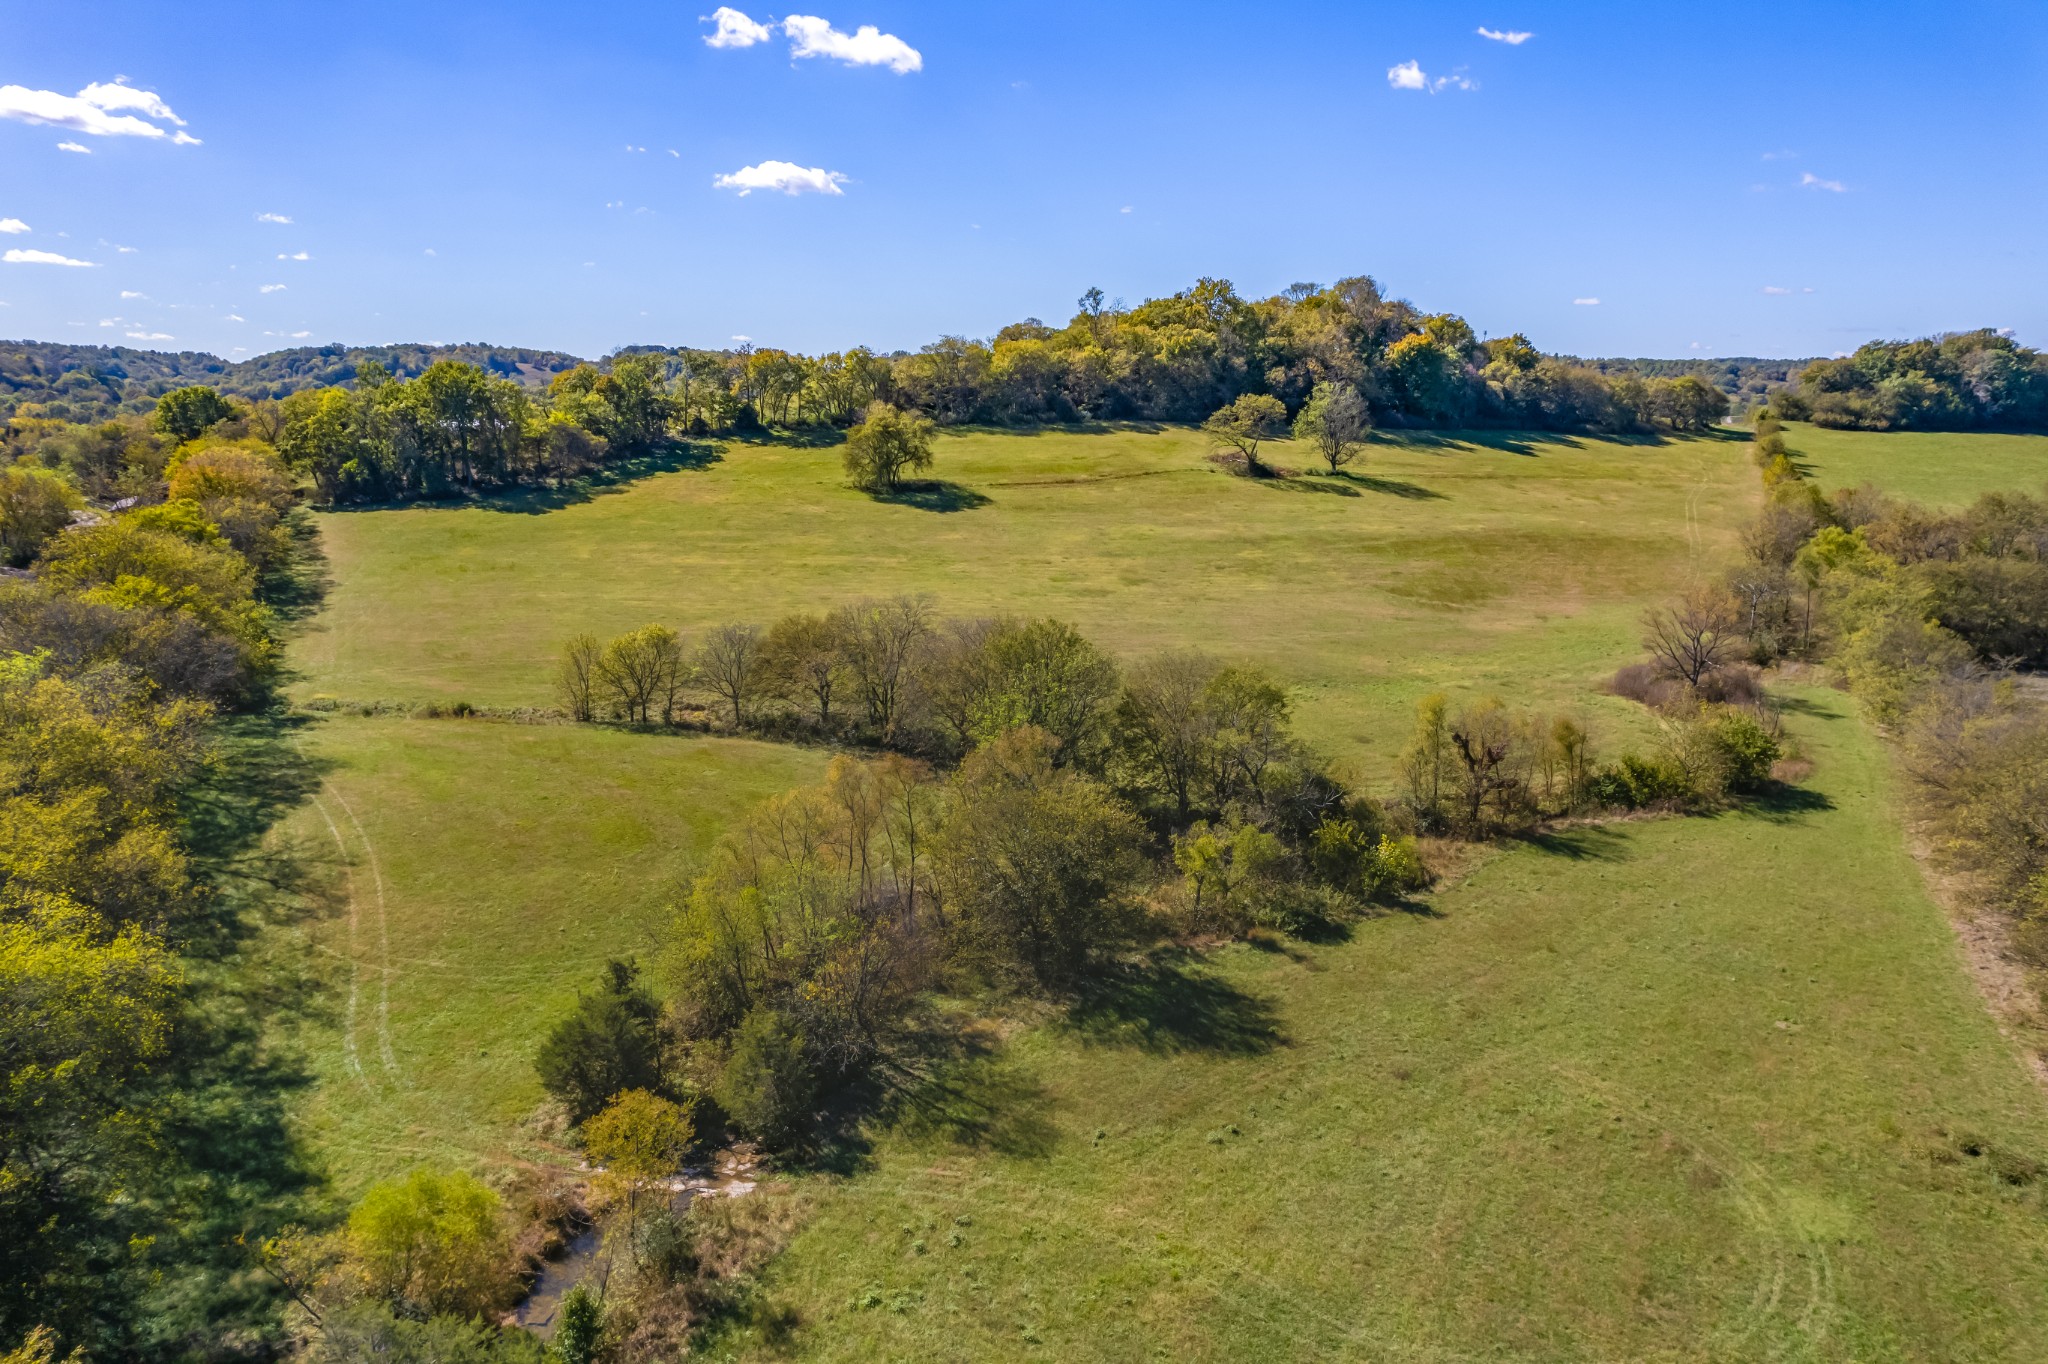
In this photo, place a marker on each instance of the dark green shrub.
(767, 1085)
(606, 1045)
(1747, 749)
(577, 1328)
(1633, 783)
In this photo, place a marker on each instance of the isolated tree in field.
(606, 1044)
(34, 505)
(886, 445)
(729, 662)
(639, 1140)
(642, 674)
(1690, 640)
(185, 413)
(1335, 421)
(803, 658)
(578, 680)
(1242, 425)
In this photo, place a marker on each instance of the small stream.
(733, 1177)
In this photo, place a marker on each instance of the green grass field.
(1656, 1091)
(1512, 564)
(1558, 1120)
(1943, 469)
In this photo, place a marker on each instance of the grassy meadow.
(1940, 468)
(1659, 1090)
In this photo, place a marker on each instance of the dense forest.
(1964, 381)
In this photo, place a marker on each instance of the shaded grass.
(1940, 468)
(1664, 1090)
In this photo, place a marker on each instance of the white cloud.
(150, 336)
(783, 176)
(272, 218)
(20, 257)
(12, 225)
(1508, 36)
(296, 256)
(742, 339)
(1585, 303)
(234, 317)
(74, 147)
(810, 36)
(99, 110)
(273, 289)
(125, 250)
(431, 252)
(1811, 181)
(301, 335)
(734, 29)
(113, 322)
(1411, 76)
(673, 152)
(133, 293)
(1125, 209)
(631, 148)
(1774, 289)
(1779, 156)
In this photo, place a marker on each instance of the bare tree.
(1485, 738)
(1690, 640)
(729, 662)
(1164, 722)
(803, 657)
(577, 680)
(883, 639)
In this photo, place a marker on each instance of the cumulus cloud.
(102, 109)
(1411, 76)
(298, 255)
(1508, 36)
(12, 225)
(1811, 181)
(1585, 303)
(80, 148)
(20, 257)
(273, 289)
(734, 29)
(785, 177)
(810, 36)
(272, 218)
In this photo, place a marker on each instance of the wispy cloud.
(1585, 303)
(301, 335)
(734, 29)
(78, 147)
(12, 225)
(150, 336)
(1779, 156)
(273, 218)
(133, 293)
(20, 257)
(1411, 76)
(631, 148)
(1508, 36)
(297, 255)
(234, 317)
(784, 177)
(1774, 289)
(102, 109)
(810, 36)
(1811, 181)
(272, 289)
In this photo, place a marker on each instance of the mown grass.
(477, 874)
(1489, 563)
(1652, 1091)
(1940, 468)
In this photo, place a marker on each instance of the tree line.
(1961, 381)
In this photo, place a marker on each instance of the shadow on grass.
(1312, 483)
(1581, 843)
(538, 499)
(934, 495)
(297, 584)
(1783, 803)
(1172, 1002)
(1392, 487)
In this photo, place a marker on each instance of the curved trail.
(384, 969)
(349, 1050)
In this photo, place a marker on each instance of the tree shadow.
(1170, 1002)
(1581, 843)
(1392, 487)
(1783, 803)
(540, 498)
(1312, 483)
(934, 495)
(297, 584)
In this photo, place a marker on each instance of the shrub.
(1747, 748)
(1634, 783)
(429, 1243)
(767, 1084)
(34, 505)
(577, 1327)
(605, 1045)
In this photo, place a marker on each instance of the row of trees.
(129, 635)
(1960, 381)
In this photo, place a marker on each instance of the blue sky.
(1775, 179)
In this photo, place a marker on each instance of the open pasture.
(1940, 468)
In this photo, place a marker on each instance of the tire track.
(350, 1052)
(384, 968)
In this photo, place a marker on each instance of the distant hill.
(1745, 378)
(92, 383)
